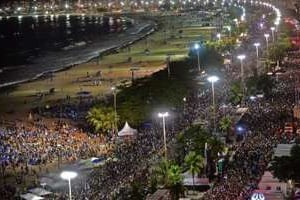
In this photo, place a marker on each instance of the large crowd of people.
(265, 120)
(23, 146)
(37, 144)
(252, 156)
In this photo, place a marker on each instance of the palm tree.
(194, 163)
(225, 124)
(101, 119)
(161, 172)
(169, 176)
(174, 181)
(236, 93)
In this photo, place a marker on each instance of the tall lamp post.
(229, 29)
(163, 116)
(257, 44)
(276, 23)
(197, 47)
(219, 37)
(58, 155)
(273, 35)
(241, 58)
(267, 41)
(115, 107)
(212, 80)
(68, 175)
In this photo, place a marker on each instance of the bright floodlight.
(196, 46)
(272, 28)
(113, 88)
(166, 114)
(213, 79)
(256, 44)
(241, 57)
(252, 98)
(219, 35)
(267, 35)
(67, 175)
(239, 128)
(261, 25)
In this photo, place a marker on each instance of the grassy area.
(115, 68)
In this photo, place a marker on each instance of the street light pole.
(276, 23)
(115, 107)
(197, 47)
(229, 29)
(168, 64)
(256, 46)
(267, 42)
(70, 189)
(163, 116)
(213, 79)
(219, 37)
(273, 36)
(241, 58)
(68, 175)
(257, 56)
(58, 155)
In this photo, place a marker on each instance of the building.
(271, 184)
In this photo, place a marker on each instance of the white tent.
(40, 191)
(29, 196)
(127, 131)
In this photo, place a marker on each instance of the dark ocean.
(33, 45)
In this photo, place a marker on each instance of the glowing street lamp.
(261, 25)
(68, 175)
(257, 44)
(219, 36)
(273, 37)
(237, 24)
(197, 48)
(163, 116)
(212, 80)
(229, 29)
(267, 41)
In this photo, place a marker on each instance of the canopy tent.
(127, 131)
(40, 191)
(29, 196)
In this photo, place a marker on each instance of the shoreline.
(105, 51)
